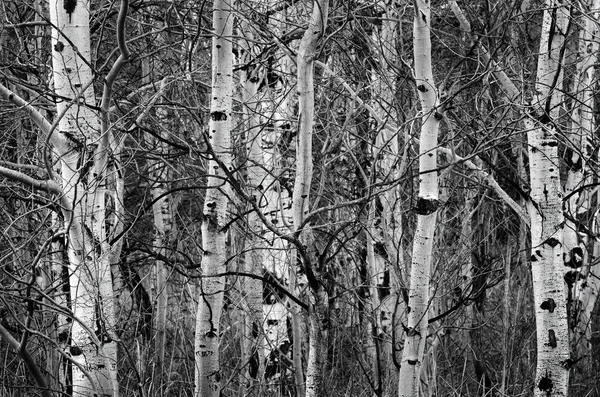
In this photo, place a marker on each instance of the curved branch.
(29, 361)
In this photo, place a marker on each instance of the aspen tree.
(281, 261)
(427, 206)
(301, 195)
(385, 227)
(259, 183)
(210, 302)
(582, 281)
(80, 138)
(545, 204)
(545, 210)
(82, 143)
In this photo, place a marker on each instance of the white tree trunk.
(210, 301)
(76, 143)
(259, 182)
(547, 264)
(579, 248)
(301, 195)
(427, 206)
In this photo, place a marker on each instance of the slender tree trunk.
(385, 225)
(253, 353)
(77, 141)
(301, 195)
(163, 224)
(579, 251)
(427, 206)
(545, 209)
(208, 371)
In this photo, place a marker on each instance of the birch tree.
(252, 343)
(81, 139)
(547, 221)
(301, 195)
(579, 248)
(427, 205)
(210, 302)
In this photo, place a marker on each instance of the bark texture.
(77, 141)
(545, 210)
(301, 195)
(427, 206)
(210, 302)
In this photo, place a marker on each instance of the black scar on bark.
(412, 362)
(533, 258)
(426, 206)
(551, 338)
(69, 6)
(575, 166)
(550, 144)
(545, 384)
(552, 242)
(573, 261)
(253, 365)
(75, 351)
(218, 116)
(210, 334)
(549, 305)
(422, 88)
(572, 276)
(63, 337)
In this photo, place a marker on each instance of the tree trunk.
(301, 196)
(163, 224)
(579, 248)
(210, 302)
(77, 141)
(427, 206)
(385, 225)
(545, 210)
(260, 183)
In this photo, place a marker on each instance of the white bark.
(207, 337)
(76, 143)
(583, 283)
(427, 206)
(547, 219)
(546, 199)
(259, 182)
(301, 195)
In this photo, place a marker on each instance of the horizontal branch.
(44, 185)
(274, 283)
